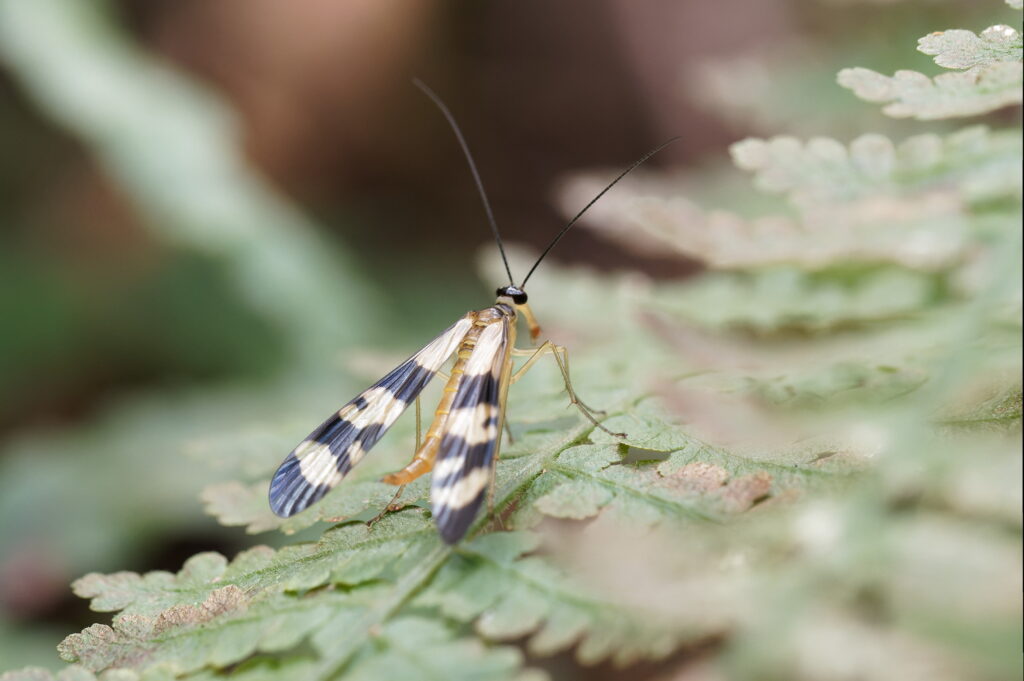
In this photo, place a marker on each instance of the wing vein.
(463, 468)
(327, 454)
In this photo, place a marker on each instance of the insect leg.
(419, 436)
(502, 402)
(419, 424)
(505, 382)
(426, 451)
(391, 506)
(558, 351)
(565, 358)
(534, 355)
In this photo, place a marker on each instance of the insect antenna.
(565, 229)
(472, 166)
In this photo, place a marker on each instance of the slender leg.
(490, 490)
(494, 469)
(558, 351)
(391, 505)
(565, 358)
(419, 425)
(564, 367)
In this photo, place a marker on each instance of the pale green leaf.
(420, 648)
(234, 503)
(512, 597)
(874, 201)
(822, 171)
(261, 668)
(786, 300)
(215, 613)
(959, 49)
(978, 90)
(39, 674)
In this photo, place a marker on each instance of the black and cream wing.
(329, 452)
(468, 443)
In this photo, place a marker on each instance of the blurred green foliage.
(821, 478)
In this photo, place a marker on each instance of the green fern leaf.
(910, 94)
(959, 49)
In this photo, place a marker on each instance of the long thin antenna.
(565, 229)
(472, 166)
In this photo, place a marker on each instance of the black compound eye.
(517, 295)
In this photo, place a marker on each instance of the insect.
(461, 445)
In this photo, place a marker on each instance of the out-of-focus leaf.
(21, 645)
(510, 597)
(960, 49)
(873, 202)
(197, 190)
(74, 673)
(906, 94)
(823, 171)
(141, 445)
(781, 300)
(417, 647)
(766, 90)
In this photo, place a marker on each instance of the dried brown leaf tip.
(744, 492)
(732, 495)
(133, 639)
(697, 477)
(228, 599)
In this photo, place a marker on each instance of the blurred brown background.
(323, 90)
(539, 88)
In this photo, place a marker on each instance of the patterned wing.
(329, 452)
(463, 468)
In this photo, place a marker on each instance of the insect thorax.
(503, 307)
